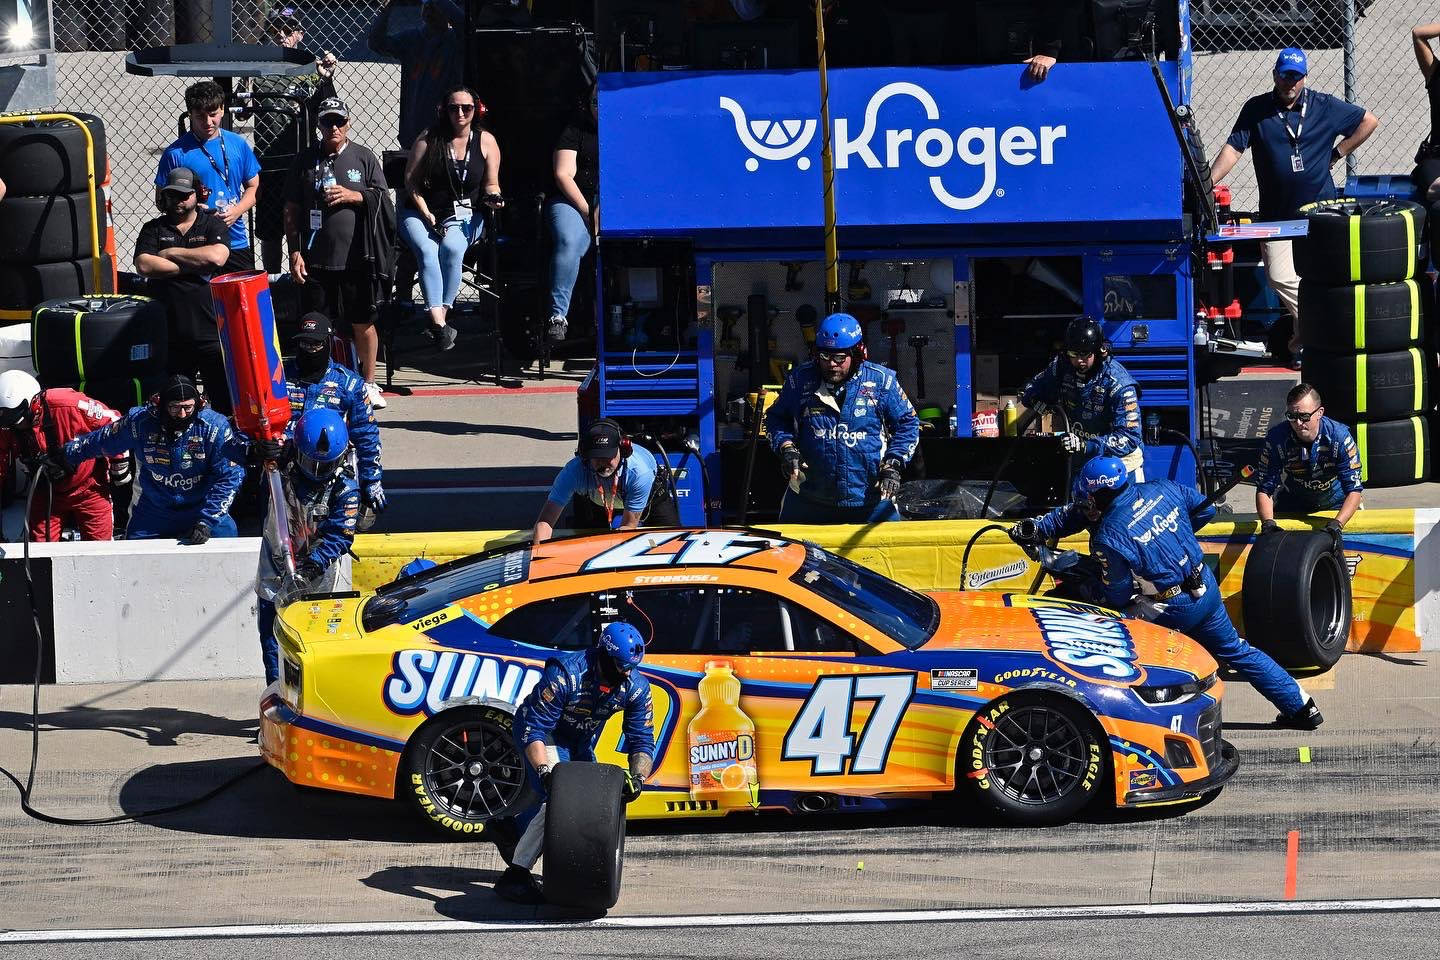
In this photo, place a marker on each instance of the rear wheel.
(462, 769)
(1032, 758)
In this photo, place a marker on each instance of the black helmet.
(1083, 335)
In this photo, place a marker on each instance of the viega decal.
(431, 621)
(1097, 648)
(934, 147)
(979, 578)
(426, 679)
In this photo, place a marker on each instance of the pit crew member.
(843, 430)
(1147, 532)
(1097, 395)
(32, 422)
(187, 480)
(322, 502)
(560, 720)
(1308, 465)
(609, 471)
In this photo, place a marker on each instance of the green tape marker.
(1304, 754)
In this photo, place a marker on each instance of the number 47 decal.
(821, 731)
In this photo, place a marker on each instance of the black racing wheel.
(1032, 758)
(462, 768)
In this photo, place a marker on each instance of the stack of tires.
(50, 223)
(1364, 300)
(110, 347)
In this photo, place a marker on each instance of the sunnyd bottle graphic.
(722, 742)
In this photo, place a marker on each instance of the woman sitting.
(451, 165)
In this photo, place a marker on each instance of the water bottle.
(1152, 427)
(617, 321)
(327, 179)
(954, 424)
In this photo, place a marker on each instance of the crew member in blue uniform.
(560, 720)
(844, 431)
(1308, 464)
(1146, 533)
(186, 477)
(322, 501)
(1097, 395)
(1077, 516)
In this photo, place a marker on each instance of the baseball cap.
(1292, 59)
(286, 18)
(315, 327)
(602, 441)
(179, 180)
(333, 107)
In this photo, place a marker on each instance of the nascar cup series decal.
(975, 147)
(426, 679)
(1089, 646)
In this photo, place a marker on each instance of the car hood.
(322, 619)
(1083, 640)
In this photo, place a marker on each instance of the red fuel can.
(251, 344)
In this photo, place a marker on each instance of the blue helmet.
(623, 644)
(839, 331)
(321, 440)
(1102, 473)
(418, 565)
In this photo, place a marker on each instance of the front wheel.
(462, 769)
(1031, 758)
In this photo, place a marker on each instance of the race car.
(783, 676)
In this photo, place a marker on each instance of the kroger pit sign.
(693, 152)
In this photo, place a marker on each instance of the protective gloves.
(544, 774)
(1336, 535)
(633, 786)
(120, 472)
(274, 451)
(198, 534)
(1072, 442)
(791, 466)
(1269, 526)
(889, 482)
(308, 571)
(374, 497)
(53, 465)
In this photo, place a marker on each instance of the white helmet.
(18, 391)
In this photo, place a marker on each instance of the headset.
(626, 447)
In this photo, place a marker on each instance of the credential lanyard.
(224, 174)
(457, 184)
(1294, 134)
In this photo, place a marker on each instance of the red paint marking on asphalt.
(485, 391)
(1275, 371)
(1292, 862)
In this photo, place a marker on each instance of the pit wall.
(129, 611)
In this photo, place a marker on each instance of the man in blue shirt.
(1309, 463)
(1293, 131)
(225, 163)
(606, 473)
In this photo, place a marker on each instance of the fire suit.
(843, 434)
(566, 711)
(185, 477)
(1148, 532)
(321, 517)
(1103, 408)
(1308, 479)
(82, 499)
(343, 391)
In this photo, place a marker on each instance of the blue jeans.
(149, 523)
(796, 509)
(569, 237)
(269, 649)
(439, 260)
(1206, 622)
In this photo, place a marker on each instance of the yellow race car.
(783, 678)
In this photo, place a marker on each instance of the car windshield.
(409, 598)
(904, 615)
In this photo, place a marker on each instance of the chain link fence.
(145, 114)
(1235, 43)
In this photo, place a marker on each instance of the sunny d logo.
(935, 148)
(1094, 647)
(426, 679)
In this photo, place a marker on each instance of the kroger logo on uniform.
(935, 148)
(1095, 647)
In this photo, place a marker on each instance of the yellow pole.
(827, 163)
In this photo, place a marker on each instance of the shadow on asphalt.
(157, 726)
(470, 893)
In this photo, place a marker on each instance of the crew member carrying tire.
(34, 422)
(323, 502)
(560, 720)
(843, 430)
(187, 481)
(1308, 464)
(1147, 531)
(1097, 395)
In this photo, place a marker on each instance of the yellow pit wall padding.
(1379, 544)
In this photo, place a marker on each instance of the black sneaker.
(432, 333)
(446, 337)
(557, 328)
(519, 885)
(1306, 718)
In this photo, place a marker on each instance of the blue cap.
(1292, 59)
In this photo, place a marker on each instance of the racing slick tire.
(23, 285)
(115, 335)
(1394, 453)
(1295, 599)
(40, 158)
(1363, 316)
(1360, 241)
(50, 229)
(462, 768)
(1370, 386)
(585, 835)
(995, 768)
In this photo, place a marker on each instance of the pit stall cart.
(977, 214)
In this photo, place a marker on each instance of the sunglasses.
(1296, 416)
(336, 122)
(461, 108)
(1291, 76)
(833, 356)
(1079, 354)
